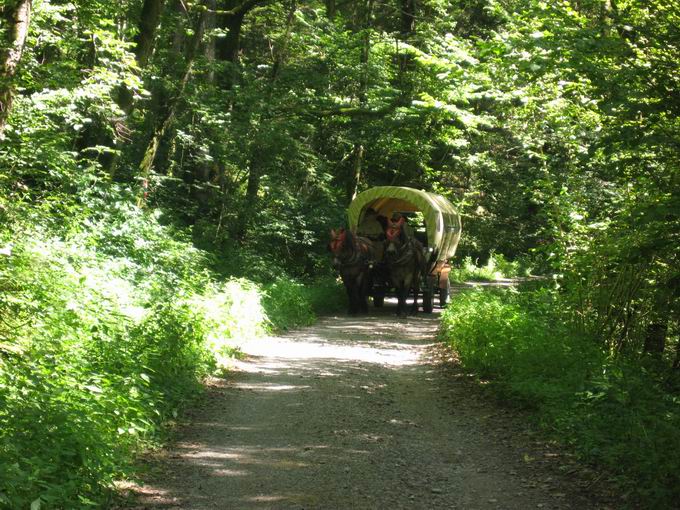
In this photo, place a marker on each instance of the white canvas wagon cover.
(442, 222)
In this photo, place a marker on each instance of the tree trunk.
(365, 51)
(248, 208)
(148, 24)
(359, 151)
(17, 19)
(282, 49)
(228, 48)
(210, 50)
(146, 166)
(405, 59)
(353, 187)
(655, 338)
(144, 45)
(256, 164)
(408, 18)
(331, 9)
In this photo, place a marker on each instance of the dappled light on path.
(351, 413)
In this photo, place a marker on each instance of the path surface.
(355, 414)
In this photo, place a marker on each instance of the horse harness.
(405, 252)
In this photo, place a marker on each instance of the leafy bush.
(95, 363)
(289, 303)
(610, 411)
(496, 267)
(231, 310)
(326, 296)
(286, 304)
(105, 336)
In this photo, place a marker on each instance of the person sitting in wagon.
(408, 230)
(371, 228)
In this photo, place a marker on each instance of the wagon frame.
(442, 233)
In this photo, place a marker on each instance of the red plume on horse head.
(337, 239)
(394, 228)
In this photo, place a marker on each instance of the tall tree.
(228, 47)
(16, 18)
(167, 117)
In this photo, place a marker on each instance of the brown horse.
(353, 256)
(405, 264)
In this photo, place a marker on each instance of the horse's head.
(337, 244)
(337, 241)
(395, 236)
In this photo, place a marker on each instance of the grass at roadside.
(616, 413)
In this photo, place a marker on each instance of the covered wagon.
(435, 223)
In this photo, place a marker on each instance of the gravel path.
(356, 413)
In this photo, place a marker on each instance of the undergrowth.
(496, 268)
(108, 324)
(612, 412)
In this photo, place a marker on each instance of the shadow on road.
(350, 413)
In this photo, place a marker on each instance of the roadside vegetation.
(497, 267)
(110, 321)
(619, 413)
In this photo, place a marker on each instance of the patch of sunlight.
(268, 387)
(271, 368)
(398, 355)
(304, 500)
(234, 310)
(289, 464)
(208, 454)
(230, 472)
(270, 499)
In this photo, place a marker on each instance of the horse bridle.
(355, 259)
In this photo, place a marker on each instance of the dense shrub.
(613, 412)
(288, 303)
(106, 329)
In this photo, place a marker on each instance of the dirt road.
(356, 413)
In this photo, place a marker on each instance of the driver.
(371, 228)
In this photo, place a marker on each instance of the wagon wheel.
(444, 294)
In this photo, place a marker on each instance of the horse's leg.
(362, 305)
(415, 283)
(350, 295)
(359, 292)
(356, 292)
(403, 294)
(366, 290)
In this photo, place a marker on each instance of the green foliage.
(231, 310)
(104, 338)
(497, 267)
(327, 296)
(104, 351)
(286, 305)
(290, 304)
(611, 411)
